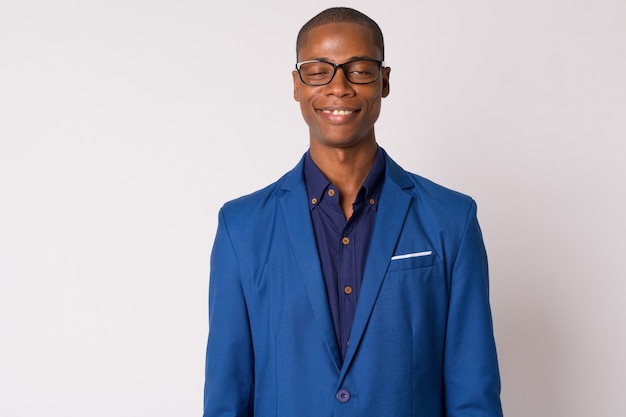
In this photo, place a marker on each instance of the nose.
(339, 85)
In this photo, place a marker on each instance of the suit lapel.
(297, 219)
(392, 210)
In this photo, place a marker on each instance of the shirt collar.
(317, 183)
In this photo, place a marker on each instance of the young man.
(349, 287)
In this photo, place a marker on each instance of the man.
(349, 287)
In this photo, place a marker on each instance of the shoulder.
(433, 193)
(255, 207)
(427, 193)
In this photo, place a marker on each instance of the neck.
(346, 168)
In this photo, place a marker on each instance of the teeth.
(337, 112)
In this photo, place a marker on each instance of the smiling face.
(341, 114)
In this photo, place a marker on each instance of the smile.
(338, 112)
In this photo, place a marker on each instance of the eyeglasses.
(358, 71)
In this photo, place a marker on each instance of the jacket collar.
(393, 173)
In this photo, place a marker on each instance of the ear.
(386, 72)
(296, 85)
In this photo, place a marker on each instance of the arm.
(472, 381)
(229, 383)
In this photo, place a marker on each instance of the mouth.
(337, 112)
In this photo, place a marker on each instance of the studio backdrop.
(125, 125)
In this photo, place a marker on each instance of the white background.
(125, 125)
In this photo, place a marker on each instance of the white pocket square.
(411, 255)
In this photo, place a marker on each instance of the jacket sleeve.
(471, 375)
(229, 377)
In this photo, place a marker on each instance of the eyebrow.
(327, 59)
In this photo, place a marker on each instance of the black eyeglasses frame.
(381, 64)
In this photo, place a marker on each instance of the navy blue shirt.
(343, 244)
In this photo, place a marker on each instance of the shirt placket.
(346, 283)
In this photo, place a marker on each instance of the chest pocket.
(412, 260)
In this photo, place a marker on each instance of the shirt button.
(372, 201)
(314, 201)
(347, 290)
(331, 192)
(345, 240)
(343, 395)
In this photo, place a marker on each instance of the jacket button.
(343, 395)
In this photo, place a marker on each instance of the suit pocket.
(413, 260)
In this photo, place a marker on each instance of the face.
(340, 114)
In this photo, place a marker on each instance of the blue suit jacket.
(422, 340)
